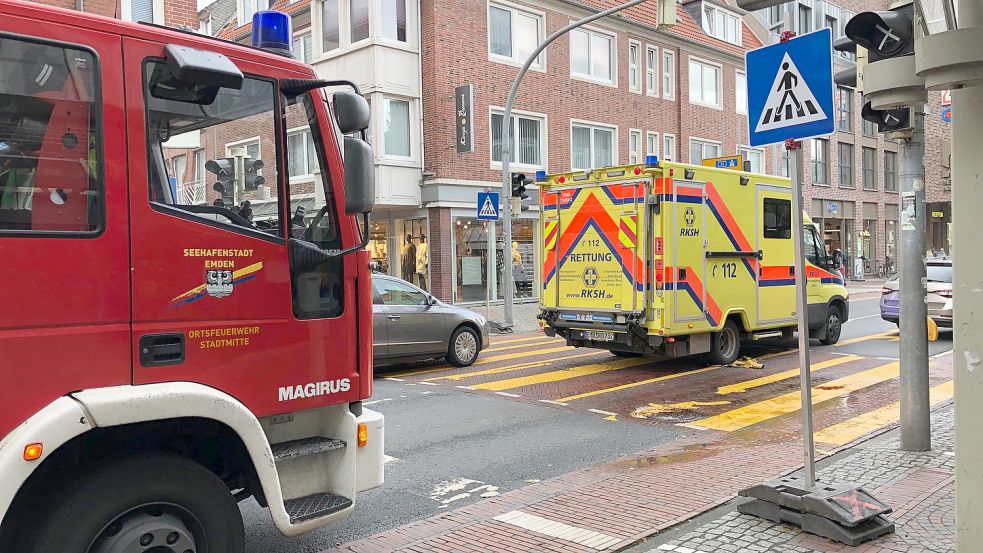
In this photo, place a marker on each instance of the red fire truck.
(185, 304)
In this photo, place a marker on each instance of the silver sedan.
(411, 325)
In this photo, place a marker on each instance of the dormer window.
(721, 23)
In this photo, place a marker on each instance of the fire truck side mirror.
(352, 111)
(359, 176)
(202, 68)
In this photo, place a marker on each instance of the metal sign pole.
(802, 311)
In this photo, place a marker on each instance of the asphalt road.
(452, 446)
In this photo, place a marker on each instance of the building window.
(394, 20)
(776, 14)
(527, 139)
(652, 71)
(755, 158)
(845, 156)
(669, 147)
(844, 110)
(301, 156)
(330, 26)
(831, 23)
(870, 128)
(890, 172)
(652, 144)
(205, 26)
(592, 55)
(704, 83)
(397, 127)
(820, 161)
(722, 24)
(870, 168)
(513, 34)
(741, 93)
(634, 78)
(246, 9)
(302, 48)
(702, 149)
(358, 19)
(668, 75)
(152, 11)
(784, 162)
(634, 147)
(805, 19)
(593, 146)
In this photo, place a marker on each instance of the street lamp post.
(507, 146)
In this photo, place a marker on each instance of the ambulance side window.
(213, 154)
(777, 218)
(51, 177)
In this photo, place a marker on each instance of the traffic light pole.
(507, 278)
(916, 433)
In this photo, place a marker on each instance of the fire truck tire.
(160, 503)
(832, 326)
(464, 347)
(725, 346)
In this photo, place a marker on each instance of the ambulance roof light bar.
(540, 176)
(273, 31)
(651, 161)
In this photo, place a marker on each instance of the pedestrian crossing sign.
(790, 89)
(488, 206)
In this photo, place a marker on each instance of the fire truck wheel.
(159, 503)
(464, 347)
(832, 327)
(725, 345)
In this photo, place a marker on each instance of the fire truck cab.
(186, 306)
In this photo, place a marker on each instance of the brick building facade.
(173, 13)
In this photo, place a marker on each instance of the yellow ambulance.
(671, 259)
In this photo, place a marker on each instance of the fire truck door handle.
(162, 349)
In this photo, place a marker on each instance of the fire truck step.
(767, 334)
(314, 506)
(305, 446)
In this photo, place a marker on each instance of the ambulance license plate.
(599, 335)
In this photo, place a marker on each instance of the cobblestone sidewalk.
(920, 486)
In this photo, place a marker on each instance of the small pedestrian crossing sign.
(790, 89)
(488, 206)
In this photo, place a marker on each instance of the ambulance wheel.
(725, 345)
(832, 326)
(158, 503)
(464, 347)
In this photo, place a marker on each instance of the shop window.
(777, 218)
(51, 176)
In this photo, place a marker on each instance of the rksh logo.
(315, 389)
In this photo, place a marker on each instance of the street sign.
(946, 97)
(947, 114)
(488, 206)
(790, 89)
(725, 162)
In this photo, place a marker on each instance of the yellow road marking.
(520, 366)
(879, 335)
(507, 356)
(563, 374)
(517, 340)
(639, 383)
(861, 425)
(789, 403)
(748, 384)
(526, 345)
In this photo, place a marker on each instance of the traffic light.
(888, 39)
(224, 169)
(853, 76)
(519, 194)
(251, 180)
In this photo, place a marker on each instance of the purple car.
(939, 295)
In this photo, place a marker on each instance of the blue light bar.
(651, 161)
(540, 175)
(272, 30)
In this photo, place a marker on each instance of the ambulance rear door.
(688, 229)
(597, 263)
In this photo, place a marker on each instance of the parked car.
(939, 294)
(411, 325)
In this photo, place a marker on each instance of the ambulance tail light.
(561, 179)
(272, 31)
